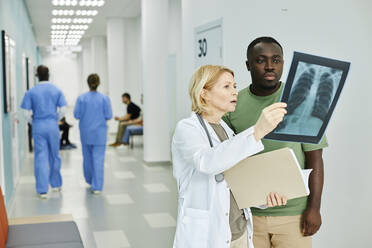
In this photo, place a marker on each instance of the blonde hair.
(205, 77)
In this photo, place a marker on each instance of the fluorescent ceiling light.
(64, 2)
(93, 3)
(84, 27)
(59, 32)
(82, 20)
(62, 12)
(59, 27)
(61, 20)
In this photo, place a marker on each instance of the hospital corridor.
(138, 207)
(185, 124)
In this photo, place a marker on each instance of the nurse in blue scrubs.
(44, 105)
(93, 109)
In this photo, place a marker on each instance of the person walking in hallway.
(44, 105)
(133, 112)
(289, 226)
(93, 110)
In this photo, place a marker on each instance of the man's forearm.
(314, 161)
(125, 117)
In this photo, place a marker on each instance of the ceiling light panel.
(75, 12)
(61, 12)
(60, 27)
(59, 32)
(80, 32)
(91, 3)
(86, 12)
(64, 2)
(82, 27)
(82, 20)
(61, 20)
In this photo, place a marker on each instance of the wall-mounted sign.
(208, 44)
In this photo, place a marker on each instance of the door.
(13, 110)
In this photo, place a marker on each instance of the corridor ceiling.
(41, 16)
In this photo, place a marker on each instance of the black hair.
(93, 81)
(264, 39)
(42, 73)
(126, 95)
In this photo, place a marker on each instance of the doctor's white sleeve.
(28, 116)
(61, 112)
(191, 145)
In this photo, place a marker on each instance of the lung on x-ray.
(311, 92)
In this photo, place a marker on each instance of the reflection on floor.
(137, 208)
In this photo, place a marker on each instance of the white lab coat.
(204, 204)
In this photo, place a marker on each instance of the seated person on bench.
(133, 112)
(65, 128)
(135, 127)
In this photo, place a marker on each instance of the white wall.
(99, 61)
(124, 63)
(133, 67)
(333, 29)
(85, 64)
(116, 64)
(64, 72)
(174, 67)
(154, 25)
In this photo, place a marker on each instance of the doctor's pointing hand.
(203, 147)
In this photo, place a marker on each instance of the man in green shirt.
(294, 224)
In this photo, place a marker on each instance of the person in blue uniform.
(44, 105)
(93, 109)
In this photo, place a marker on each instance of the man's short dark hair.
(126, 95)
(264, 39)
(42, 73)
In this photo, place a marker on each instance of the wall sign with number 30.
(203, 46)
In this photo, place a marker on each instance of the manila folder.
(252, 179)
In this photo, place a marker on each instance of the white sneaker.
(57, 189)
(96, 192)
(43, 195)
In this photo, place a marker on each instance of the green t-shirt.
(246, 114)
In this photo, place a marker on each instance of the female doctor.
(93, 110)
(199, 158)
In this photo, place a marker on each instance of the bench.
(58, 231)
(130, 131)
(131, 139)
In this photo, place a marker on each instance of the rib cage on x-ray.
(323, 96)
(302, 89)
(311, 96)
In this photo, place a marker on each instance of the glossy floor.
(137, 208)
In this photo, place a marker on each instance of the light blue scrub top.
(93, 109)
(43, 99)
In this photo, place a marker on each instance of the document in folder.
(252, 179)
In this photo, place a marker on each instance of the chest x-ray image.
(311, 93)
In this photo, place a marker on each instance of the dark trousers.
(64, 127)
(29, 131)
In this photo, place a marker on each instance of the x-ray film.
(311, 92)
